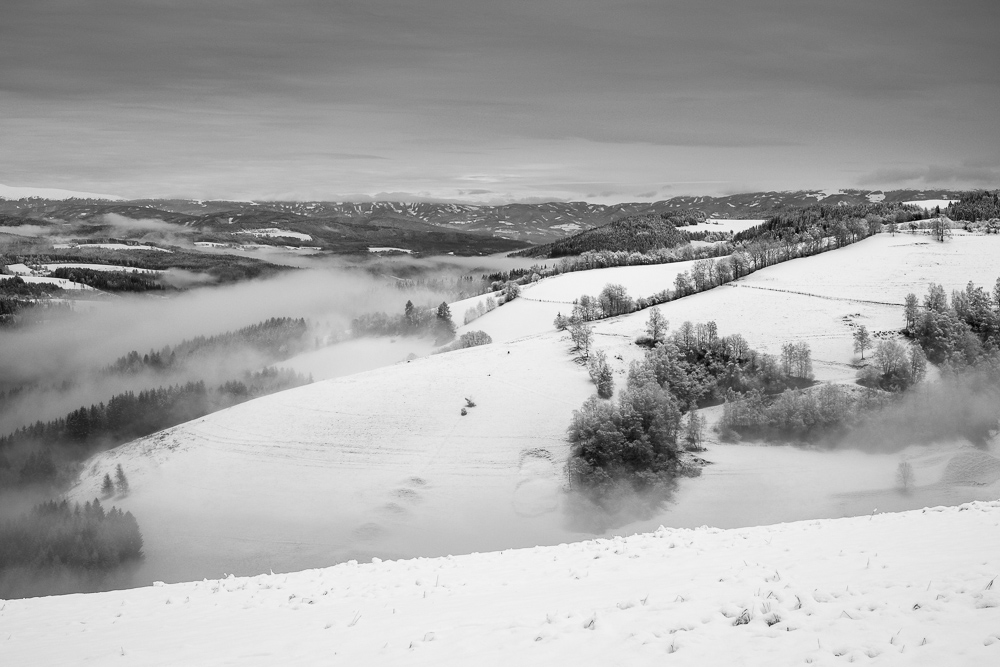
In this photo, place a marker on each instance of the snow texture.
(915, 588)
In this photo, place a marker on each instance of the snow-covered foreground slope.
(917, 588)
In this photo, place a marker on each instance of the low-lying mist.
(62, 358)
(965, 406)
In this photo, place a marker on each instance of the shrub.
(601, 374)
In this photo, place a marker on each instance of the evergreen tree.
(410, 315)
(107, 486)
(121, 482)
(444, 326)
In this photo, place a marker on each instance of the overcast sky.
(497, 100)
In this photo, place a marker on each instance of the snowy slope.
(818, 299)
(376, 463)
(382, 463)
(534, 311)
(916, 588)
(723, 225)
(10, 192)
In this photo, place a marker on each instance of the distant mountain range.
(421, 227)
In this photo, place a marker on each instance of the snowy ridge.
(10, 192)
(911, 588)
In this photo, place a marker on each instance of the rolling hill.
(382, 463)
(527, 223)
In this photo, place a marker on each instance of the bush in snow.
(468, 339)
(601, 374)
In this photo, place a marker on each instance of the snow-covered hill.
(10, 192)
(916, 588)
(382, 463)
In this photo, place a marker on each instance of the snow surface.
(19, 269)
(99, 267)
(356, 356)
(535, 310)
(277, 233)
(60, 282)
(819, 299)
(389, 249)
(109, 246)
(10, 192)
(899, 589)
(930, 203)
(381, 463)
(722, 225)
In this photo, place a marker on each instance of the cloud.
(950, 175)
(345, 96)
(143, 224)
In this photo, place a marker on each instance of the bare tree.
(862, 340)
(582, 336)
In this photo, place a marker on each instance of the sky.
(497, 101)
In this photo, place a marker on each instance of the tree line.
(47, 453)
(277, 338)
(112, 281)
(59, 534)
(634, 233)
(976, 206)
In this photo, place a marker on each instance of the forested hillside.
(636, 233)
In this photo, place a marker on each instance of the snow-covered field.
(540, 302)
(915, 588)
(274, 232)
(59, 282)
(19, 269)
(356, 356)
(108, 246)
(14, 192)
(722, 225)
(817, 299)
(99, 267)
(381, 463)
(930, 203)
(389, 249)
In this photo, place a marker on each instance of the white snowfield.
(382, 463)
(379, 463)
(99, 267)
(59, 282)
(108, 246)
(535, 310)
(722, 225)
(915, 588)
(390, 249)
(930, 203)
(14, 192)
(274, 232)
